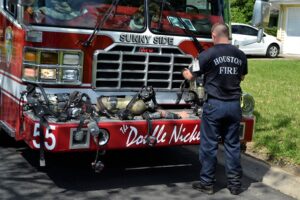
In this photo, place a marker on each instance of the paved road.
(165, 173)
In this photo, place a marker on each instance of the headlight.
(247, 104)
(48, 74)
(52, 66)
(70, 75)
(50, 58)
(103, 137)
(71, 59)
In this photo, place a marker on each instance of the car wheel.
(273, 51)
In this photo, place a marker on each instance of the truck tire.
(243, 147)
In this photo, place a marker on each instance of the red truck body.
(117, 60)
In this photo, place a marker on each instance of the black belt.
(212, 97)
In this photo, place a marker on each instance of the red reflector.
(146, 50)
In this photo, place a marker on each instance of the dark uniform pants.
(220, 118)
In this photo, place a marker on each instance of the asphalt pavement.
(165, 173)
(275, 177)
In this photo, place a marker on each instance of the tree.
(242, 10)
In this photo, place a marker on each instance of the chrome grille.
(126, 68)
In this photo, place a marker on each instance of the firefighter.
(137, 21)
(59, 10)
(224, 67)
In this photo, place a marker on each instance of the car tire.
(273, 51)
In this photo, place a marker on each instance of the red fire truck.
(96, 75)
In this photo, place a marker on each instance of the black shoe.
(235, 191)
(203, 188)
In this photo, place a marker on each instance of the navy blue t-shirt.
(223, 65)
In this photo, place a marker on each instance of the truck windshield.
(173, 17)
(128, 15)
(86, 14)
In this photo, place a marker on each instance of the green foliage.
(271, 30)
(275, 87)
(241, 10)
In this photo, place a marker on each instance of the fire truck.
(97, 75)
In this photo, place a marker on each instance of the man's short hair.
(221, 29)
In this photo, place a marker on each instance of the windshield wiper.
(186, 29)
(163, 2)
(100, 23)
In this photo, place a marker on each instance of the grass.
(275, 85)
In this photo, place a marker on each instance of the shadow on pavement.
(126, 168)
(71, 173)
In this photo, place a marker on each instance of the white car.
(241, 33)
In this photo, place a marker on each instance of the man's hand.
(187, 74)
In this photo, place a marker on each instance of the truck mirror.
(261, 16)
(261, 13)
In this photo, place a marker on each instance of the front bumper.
(60, 137)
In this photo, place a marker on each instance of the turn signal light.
(30, 56)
